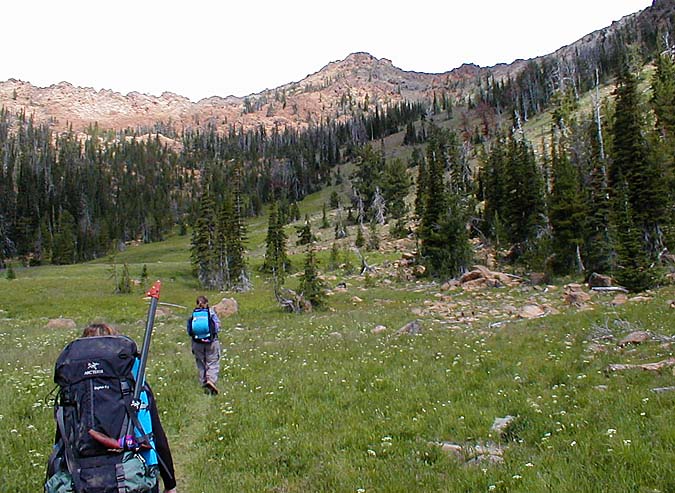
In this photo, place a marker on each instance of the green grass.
(316, 402)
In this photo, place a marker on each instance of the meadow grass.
(316, 402)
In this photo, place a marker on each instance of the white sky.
(200, 48)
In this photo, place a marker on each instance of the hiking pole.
(153, 293)
(129, 440)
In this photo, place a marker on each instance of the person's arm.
(189, 326)
(162, 447)
(216, 320)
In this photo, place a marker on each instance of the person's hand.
(172, 490)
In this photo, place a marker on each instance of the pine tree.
(634, 271)
(367, 174)
(305, 236)
(395, 187)
(443, 235)
(524, 210)
(203, 245)
(663, 96)
(632, 166)
(324, 218)
(360, 240)
(144, 277)
(124, 284)
(373, 237)
(64, 249)
(598, 242)
(334, 258)
(276, 260)
(421, 189)
(312, 286)
(566, 213)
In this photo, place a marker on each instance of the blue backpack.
(202, 327)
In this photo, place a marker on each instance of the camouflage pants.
(207, 357)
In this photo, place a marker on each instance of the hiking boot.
(211, 387)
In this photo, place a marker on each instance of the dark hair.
(202, 302)
(101, 329)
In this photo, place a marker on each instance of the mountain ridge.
(331, 93)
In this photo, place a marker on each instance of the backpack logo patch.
(92, 368)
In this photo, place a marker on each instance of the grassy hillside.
(317, 402)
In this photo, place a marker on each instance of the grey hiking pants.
(207, 357)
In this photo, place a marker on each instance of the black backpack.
(100, 435)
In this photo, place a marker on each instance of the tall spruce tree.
(442, 231)
(236, 236)
(566, 212)
(276, 259)
(203, 244)
(631, 165)
(395, 187)
(312, 286)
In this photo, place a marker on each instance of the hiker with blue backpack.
(107, 440)
(203, 327)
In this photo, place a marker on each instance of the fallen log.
(662, 390)
(647, 366)
(609, 289)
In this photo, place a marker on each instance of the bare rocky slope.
(328, 93)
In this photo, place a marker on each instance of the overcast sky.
(199, 48)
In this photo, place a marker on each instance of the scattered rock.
(61, 323)
(501, 425)
(531, 311)
(599, 280)
(378, 329)
(472, 455)
(356, 299)
(639, 299)
(163, 312)
(538, 278)
(575, 295)
(337, 335)
(637, 337)
(411, 328)
(226, 307)
(619, 299)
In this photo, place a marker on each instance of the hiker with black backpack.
(203, 327)
(107, 441)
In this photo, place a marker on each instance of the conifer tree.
(312, 286)
(360, 240)
(443, 235)
(598, 242)
(634, 271)
(525, 207)
(324, 218)
(305, 236)
(566, 213)
(373, 237)
(367, 174)
(334, 258)
(632, 166)
(64, 249)
(236, 237)
(421, 189)
(663, 96)
(276, 260)
(395, 187)
(203, 245)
